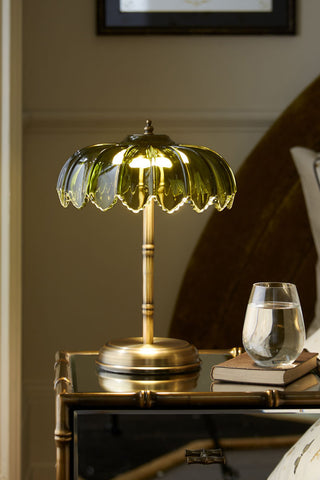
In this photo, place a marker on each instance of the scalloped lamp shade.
(140, 170)
(143, 167)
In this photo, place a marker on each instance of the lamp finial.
(148, 129)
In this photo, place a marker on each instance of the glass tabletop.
(87, 377)
(183, 404)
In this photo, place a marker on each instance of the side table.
(81, 389)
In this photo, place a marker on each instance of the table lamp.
(143, 169)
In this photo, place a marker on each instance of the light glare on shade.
(183, 156)
(140, 162)
(143, 162)
(162, 162)
(118, 158)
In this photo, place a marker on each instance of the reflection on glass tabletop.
(87, 377)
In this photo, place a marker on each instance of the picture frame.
(130, 17)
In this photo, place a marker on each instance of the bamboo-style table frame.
(69, 400)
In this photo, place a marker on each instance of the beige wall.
(82, 270)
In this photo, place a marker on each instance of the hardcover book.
(242, 369)
(310, 381)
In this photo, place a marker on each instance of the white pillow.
(302, 461)
(304, 161)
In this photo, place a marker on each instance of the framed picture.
(245, 17)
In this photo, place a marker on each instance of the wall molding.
(10, 237)
(173, 120)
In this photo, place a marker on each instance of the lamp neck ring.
(147, 138)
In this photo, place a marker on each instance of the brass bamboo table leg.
(63, 433)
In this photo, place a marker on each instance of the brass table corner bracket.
(62, 373)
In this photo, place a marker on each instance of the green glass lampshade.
(143, 167)
(141, 170)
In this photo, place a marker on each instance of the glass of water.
(273, 331)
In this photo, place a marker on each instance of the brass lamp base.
(123, 383)
(163, 356)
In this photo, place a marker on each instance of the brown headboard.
(265, 236)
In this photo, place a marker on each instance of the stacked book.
(241, 371)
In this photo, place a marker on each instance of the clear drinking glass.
(273, 331)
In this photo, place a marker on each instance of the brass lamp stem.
(147, 270)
